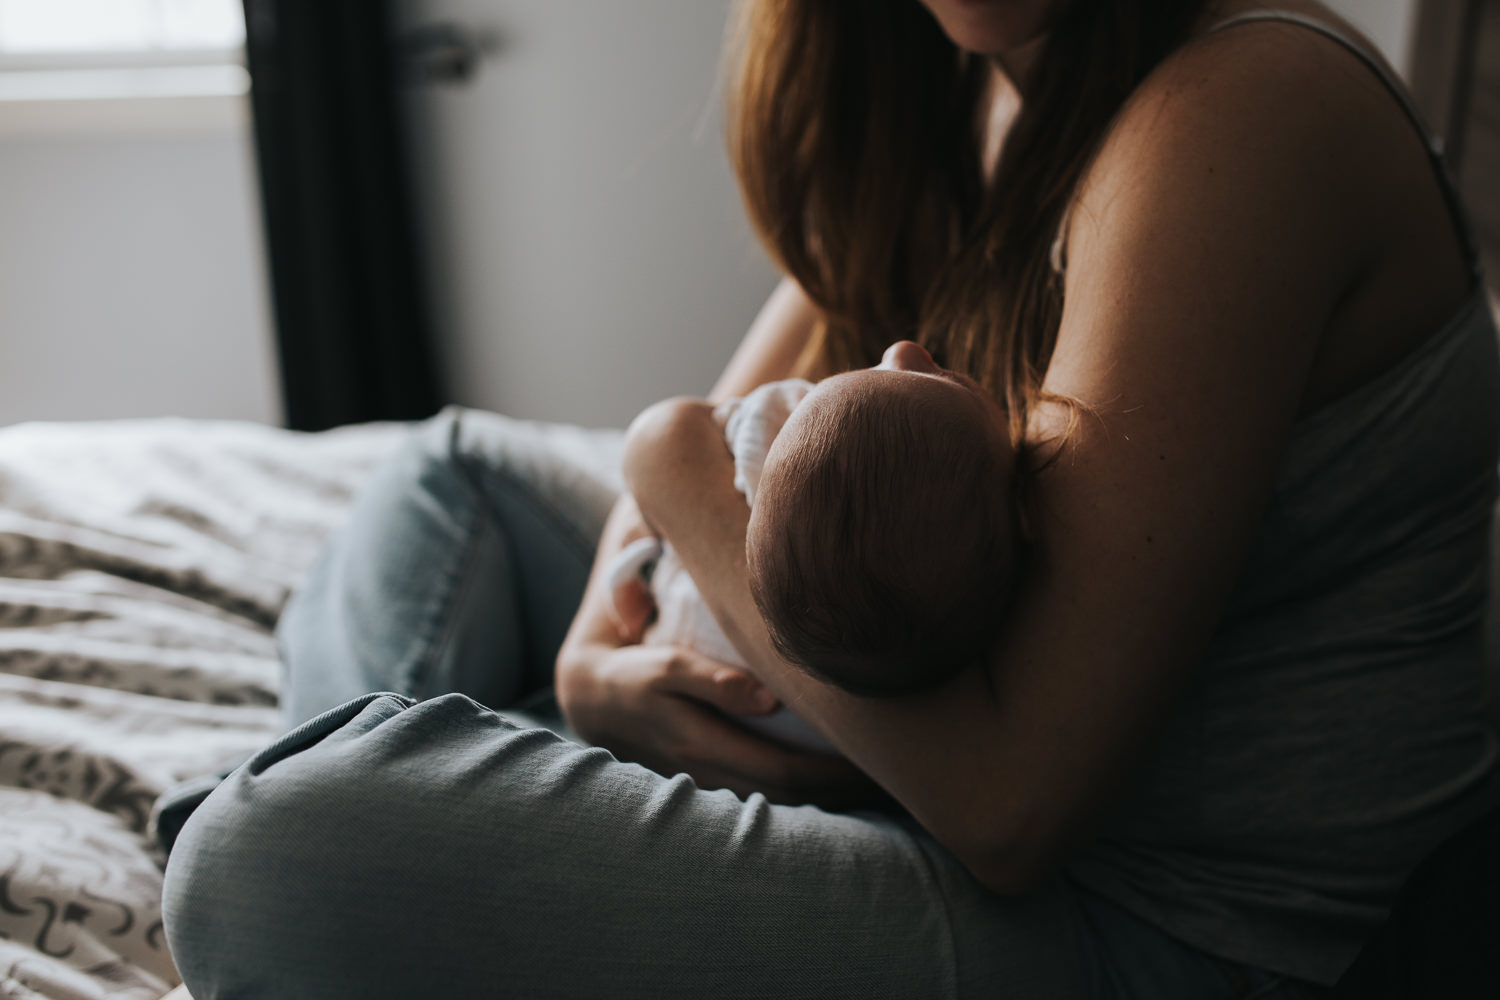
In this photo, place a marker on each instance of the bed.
(142, 568)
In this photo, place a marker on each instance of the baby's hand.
(630, 596)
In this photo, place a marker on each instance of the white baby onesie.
(750, 424)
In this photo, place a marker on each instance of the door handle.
(444, 53)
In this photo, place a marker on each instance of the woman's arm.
(1215, 236)
(776, 346)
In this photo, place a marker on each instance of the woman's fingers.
(731, 690)
(717, 753)
(671, 710)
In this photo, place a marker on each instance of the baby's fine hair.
(883, 544)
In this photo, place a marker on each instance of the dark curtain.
(351, 313)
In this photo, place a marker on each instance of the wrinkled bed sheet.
(142, 568)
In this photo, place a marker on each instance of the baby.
(882, 544)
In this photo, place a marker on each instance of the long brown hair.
(856, 129)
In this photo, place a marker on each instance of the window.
(54, 52)
(89, 31)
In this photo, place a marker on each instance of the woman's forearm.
(777, 345)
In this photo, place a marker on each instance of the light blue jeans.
(420, 844)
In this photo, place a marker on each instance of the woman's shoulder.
(1298, 38)
(1252, 84)
(1232, 206)
(1253, 120)
(1278, 119)
(1300, 125)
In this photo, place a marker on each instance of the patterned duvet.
(142, 567)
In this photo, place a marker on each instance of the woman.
(1235, 702)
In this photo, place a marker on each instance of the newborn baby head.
(883, 543)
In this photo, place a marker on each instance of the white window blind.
(91, 64)
(76, 30)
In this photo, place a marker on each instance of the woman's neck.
(1011, 75)
(1015, 69)
(1004, 103)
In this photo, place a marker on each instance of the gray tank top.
(1336, 731)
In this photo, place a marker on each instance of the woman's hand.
(669, 708)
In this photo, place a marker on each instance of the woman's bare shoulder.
(1280, 89)
(1266, 117)
(1300, 129)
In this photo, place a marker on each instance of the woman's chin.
(990, 27)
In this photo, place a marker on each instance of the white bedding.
(142, 568)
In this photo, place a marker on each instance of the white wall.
(1389, 23)
(131, 279)
(588, 250)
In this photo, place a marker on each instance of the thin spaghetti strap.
(1393, 84)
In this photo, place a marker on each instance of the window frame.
(108, 91)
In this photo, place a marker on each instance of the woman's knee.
(376, 608)
(274, 883)
(364, 855)
(434, 458)
(437, 462)
(569, 475)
